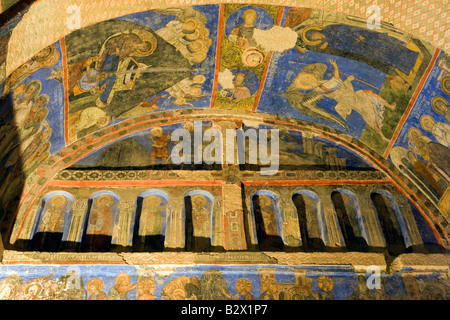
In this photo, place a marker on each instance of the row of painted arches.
(269, 225)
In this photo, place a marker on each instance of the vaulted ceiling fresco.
(88, 116)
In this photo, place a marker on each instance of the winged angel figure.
(311, 79)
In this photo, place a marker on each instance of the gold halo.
(156, 131)
(58, 201)
(181, 281)
(246, 284)
(196, 46)
(94, 282)
(105, 196)
(195, 91)
(252, 52)
(192, 36)
(189, 126)
(437, 100)
(311, 42)
(199, 198)
(151, 200)
(38, 58)
(249, 11)
(414, 131)
(264, 200)
(425, 118)
(199, 78)
(148, 283)
(145, 36)
(149, 38)
(325, 283)
(444, 83)
(189, 25)
(122, 275)
(197, 57)
(179, 292)
(148, 52)
(300, 81)
(170, 287)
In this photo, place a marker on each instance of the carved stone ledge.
(19, 257)
(419, 262)
(357, 260)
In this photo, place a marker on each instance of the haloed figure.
(98, 235)
(50, 233)
(242, 35)
(365, 102)
(199, 237)
(159, 146)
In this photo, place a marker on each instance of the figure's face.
(40, 103)
(199, 79)
(239, 79)
(157, 132)
(427, 123)
(103, 121)
(198, 201)
(104, 201)
(44, 53)
(58, 201)
(249, 17)
(414, 134)
(123, 280)
(195, 91)
(307, 81)
(316, 35)
(93, 288)
(30, 90)
(152, 201)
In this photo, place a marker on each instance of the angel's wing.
(307, 104)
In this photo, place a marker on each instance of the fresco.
(86, 162)
(242, 58)
(140, 63)
(335, 82)
(31, 117)
(151, 149)
(210, 282)
(113, 70)
(422, 146)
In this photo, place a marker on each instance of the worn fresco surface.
(86, 127)
(210, 282)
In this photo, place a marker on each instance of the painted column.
(233, 236)
(373, 226)
(175, 229)
(233, 218)
(405, 210)
(333, 238)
